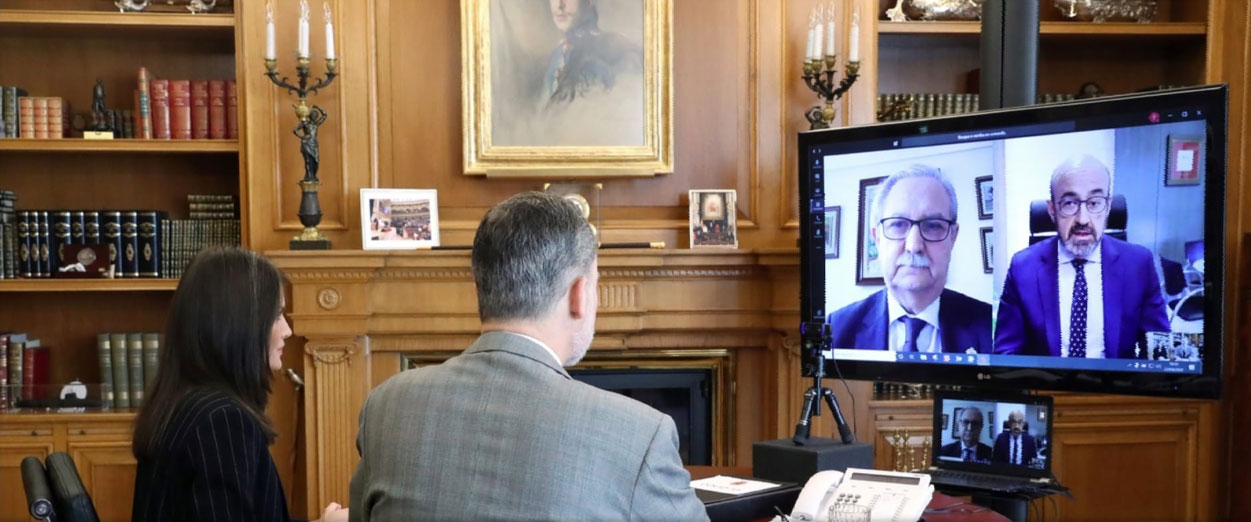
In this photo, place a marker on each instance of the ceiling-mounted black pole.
(1009, 76)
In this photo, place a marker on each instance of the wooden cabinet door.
(13, 507)
(108, 472)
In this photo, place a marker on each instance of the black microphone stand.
(816, 338)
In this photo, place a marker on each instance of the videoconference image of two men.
(1076, 245)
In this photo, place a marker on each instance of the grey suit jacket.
(501, 432)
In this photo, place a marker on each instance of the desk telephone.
(890, 496)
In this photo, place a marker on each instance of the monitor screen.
(1006, 433)
(1064, 246)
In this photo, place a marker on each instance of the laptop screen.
(1003, 433)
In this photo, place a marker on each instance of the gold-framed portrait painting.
(574, 88)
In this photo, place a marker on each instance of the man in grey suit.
(501, 432)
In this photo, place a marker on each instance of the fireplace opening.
(684, 395)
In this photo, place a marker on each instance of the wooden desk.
(942, 508)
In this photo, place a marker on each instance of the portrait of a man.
(913, 223)
(1082, 293)
(567, 72)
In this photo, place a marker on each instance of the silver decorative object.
(1099, 11)
(943, 9)
(896, 14)
(131, 5)
(200, 6)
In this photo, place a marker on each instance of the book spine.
(8, 110)
(4, 370)
(130, 243)
(78, 228)
(217, 109)
(199, 110)
(40, 110)
(17, 343)
(23, 244)
(35, 376)
(121, 377)
(163, 240)
(46, 267)
(111, 227)
(25, 117)
(149, 244)
(62, 223)
(143, 109)
(134, 361)
(180, 109)
(56, 118)
(91, 227)
(232, 111)
(151, 352)
(160, 109)
(104, 350)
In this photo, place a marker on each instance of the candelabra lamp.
(819, 76)
(306, 130)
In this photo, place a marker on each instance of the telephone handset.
(893, 496)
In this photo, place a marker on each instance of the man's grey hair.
(981, 417)
(527, 251)
(1078, 162)
(915, 171)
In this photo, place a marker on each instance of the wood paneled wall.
(395, 121)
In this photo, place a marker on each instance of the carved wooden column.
(335, 372)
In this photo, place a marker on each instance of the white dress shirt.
(1094, 300)
(544, 345)
(928, 341)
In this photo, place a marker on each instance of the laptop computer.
(991, 441)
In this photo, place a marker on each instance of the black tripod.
(816, 340)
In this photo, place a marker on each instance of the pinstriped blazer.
(501, 432)
(213, 463)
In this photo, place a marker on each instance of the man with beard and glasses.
(1080, 294)
(914, 229)
(501, 431)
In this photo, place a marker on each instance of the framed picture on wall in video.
(988, 249)
(868, 265)
(985, 196)
(1185, 161)
(833, 220)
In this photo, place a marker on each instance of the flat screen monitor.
(1070, 246)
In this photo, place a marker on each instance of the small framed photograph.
(712, 221)
(988, 249)
(868, 264)
(833, 220)
(1185, 161)
(985, 196)
(399, 219)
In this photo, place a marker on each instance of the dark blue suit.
(1029, 311)
(963, 322)
(1003, 450)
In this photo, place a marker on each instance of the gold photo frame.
(534, 108)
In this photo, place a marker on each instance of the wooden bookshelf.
(1046, 29)
(88, 285)
(119, 145)
(44, 20)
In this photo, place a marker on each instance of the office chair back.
(38, 493)
(71, 501)
(1042, 227)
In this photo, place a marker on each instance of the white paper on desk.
(731, 485)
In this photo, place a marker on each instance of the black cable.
(847, 387)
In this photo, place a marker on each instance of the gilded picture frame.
(532, 109)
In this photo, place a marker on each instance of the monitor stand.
(1015, 508)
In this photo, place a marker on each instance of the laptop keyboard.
(972, 480)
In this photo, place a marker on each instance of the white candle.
(302, 51)
(329, 32)
(829, 32)
(270, 53)
(820, 37)
(808, 50)
(854, 54)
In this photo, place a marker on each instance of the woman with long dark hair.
(202, 437)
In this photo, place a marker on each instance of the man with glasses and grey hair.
(501, 431)
(1080, 294)
(914, 230)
